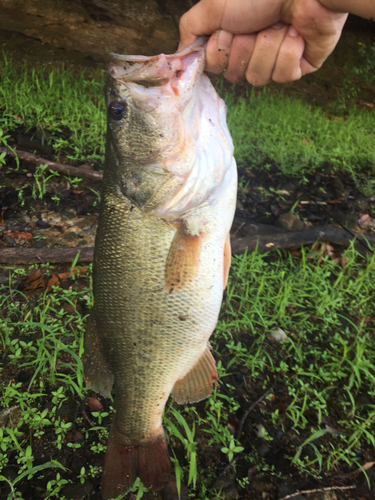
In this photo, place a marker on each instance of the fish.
(162, 253)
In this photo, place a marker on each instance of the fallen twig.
(247, 412)
(87, 418)
(356, 472)
(318, 490)
(54, 166)
(262, 240)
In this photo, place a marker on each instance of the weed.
(188, 442)
(29, 474)
(266, 129)
(367, 67)
(299, 138)
(231, 449)
(3, 142)
(69, 107)
(40, 187)
(326, 313)
(54, 486)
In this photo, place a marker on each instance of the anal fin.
(182, 261)
(96, 370)
(227, 260)
(197, 383)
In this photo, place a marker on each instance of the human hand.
(263, 40)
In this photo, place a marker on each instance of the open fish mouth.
(172, 93)
(176, 69)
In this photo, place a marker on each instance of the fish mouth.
(156, 71)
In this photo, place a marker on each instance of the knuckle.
(280, 78)
(245, 43)
(288, 55)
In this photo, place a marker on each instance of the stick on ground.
(328, 234)
(239, 245)
(249, 410)
(318, 490)
(27, 256)
(54, 166)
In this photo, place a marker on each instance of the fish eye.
(117, 110)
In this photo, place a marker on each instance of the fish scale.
(120, 315)
(161, 256)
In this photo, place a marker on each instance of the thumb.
(202, 19)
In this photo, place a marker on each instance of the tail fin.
(124, 462)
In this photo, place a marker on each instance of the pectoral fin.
(197, 383)
(96, 370)
(182, 261)
(227, 260)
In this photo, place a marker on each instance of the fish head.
(166, 130)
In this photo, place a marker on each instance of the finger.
(202, 19)
(208, 16)
(321, 30)
(263, 60)
(306, 67)
(288, 64)
(239, 57)
(217, 51)
(188, 40)
(316, 53)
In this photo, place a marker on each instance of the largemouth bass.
(162, 253)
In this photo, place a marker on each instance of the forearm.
(363, 8)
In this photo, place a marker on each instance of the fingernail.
(278, 26)
(292, 31)
(224, 40)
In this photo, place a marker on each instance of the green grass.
(68, 106)
(265, 128)
(325, 309)
(300, 138)
(328, 359)
(325, 366)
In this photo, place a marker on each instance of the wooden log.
(62, 168)
(328, 234)
(43, 255)
(263, 242)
